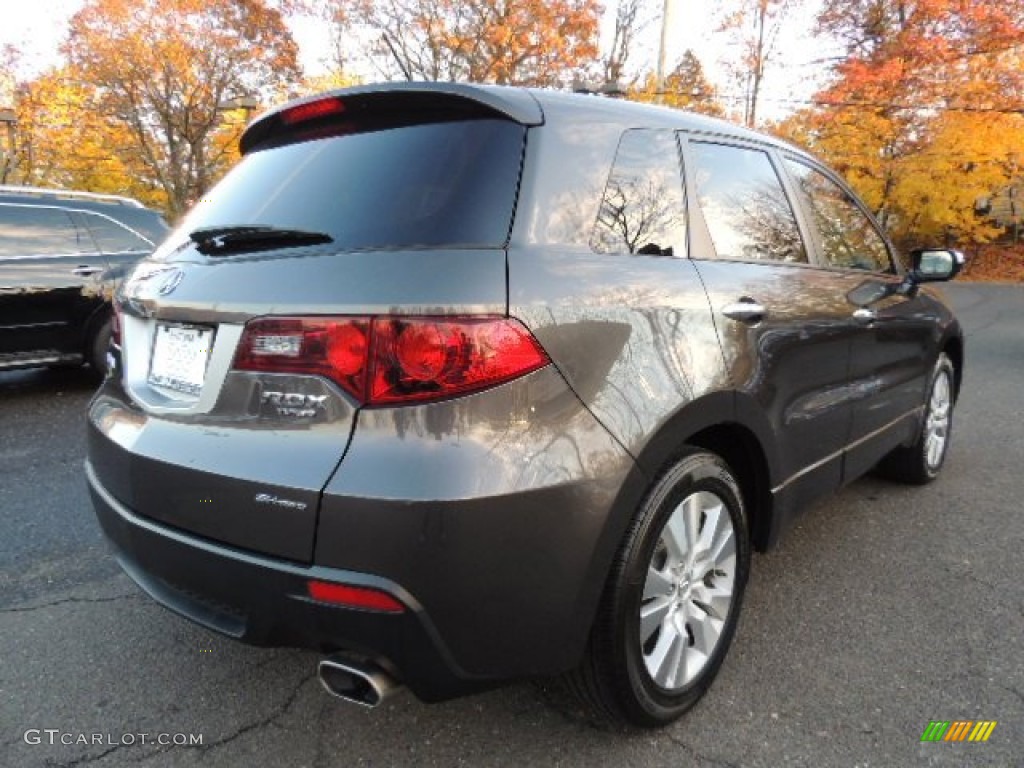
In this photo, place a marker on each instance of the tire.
(96, 352)
(921, 462)
(669, 611)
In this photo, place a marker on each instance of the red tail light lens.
(393, 360)
(335, 348)
(353, 597)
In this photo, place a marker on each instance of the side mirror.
(933, 265)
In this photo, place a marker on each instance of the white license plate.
(180, 354)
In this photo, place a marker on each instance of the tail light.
(353, 597)
(393, 360)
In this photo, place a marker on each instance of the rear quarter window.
(643, 209)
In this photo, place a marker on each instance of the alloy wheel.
(688, 591)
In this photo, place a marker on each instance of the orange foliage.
(926, 113)
(686, 87)
(156, 72)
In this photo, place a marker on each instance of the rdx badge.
(293, 403)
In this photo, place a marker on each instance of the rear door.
(48, 281)
(894, 346)
(785, 325)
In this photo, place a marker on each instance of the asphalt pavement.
(887, 607)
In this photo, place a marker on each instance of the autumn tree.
(631, 18)
(9, 149)
(924, 113)
(686, 87)
(514, 42)
(157, 71)
(754, 27)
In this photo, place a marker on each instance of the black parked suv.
(460, 384)
(62, 253)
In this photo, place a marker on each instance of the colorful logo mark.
(958, 730)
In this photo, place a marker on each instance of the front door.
(889, 367)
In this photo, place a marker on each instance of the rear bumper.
(263, 601)
(493, 517)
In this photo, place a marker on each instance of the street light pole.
(662, 51)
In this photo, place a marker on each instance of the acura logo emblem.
(170, 282)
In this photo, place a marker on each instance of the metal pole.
(662, 51)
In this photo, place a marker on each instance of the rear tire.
(921, 462)
(98, 346)
(672, 599)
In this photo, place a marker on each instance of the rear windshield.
(439, 184)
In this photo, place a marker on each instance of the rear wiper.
(215, 241)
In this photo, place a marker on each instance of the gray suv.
(460, 384)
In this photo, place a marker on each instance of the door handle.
(85, 270)
(744, 310)
(864, 316)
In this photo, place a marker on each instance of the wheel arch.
(732, 425)
(728, 423)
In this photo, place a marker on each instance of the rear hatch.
(344, 208)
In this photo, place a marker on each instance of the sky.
(38, 26)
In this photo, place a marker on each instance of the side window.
(643, 209)
(846, 237)
(31, 231)
(744, 204)
(112, 237)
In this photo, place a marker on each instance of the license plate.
(180, 354)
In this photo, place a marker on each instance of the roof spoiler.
(513, 103)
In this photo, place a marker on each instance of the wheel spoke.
(657, 658)
(652, 615)
(705, 638)
(665, 659)
(658, 584)
(714, 601)
(692, 508)
(715, 519)
(723, 551)
(674, 537)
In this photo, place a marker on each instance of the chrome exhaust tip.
(361, 683)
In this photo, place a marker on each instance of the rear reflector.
(393, 360)
(353, 597)
(312, 110)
